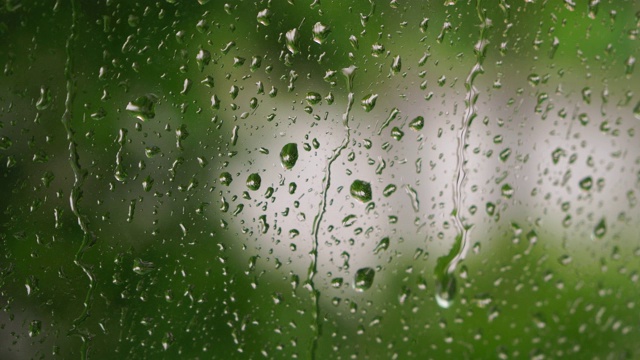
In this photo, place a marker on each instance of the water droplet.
(292, 40)
(254, 181)
(382, 245)
(225, 178)
(354, 42)
(361, 190)
(34, 328)
(389, 190)
(349, 220)
(377, 49)
(445, 290)
(507, 191)
(142, 267)
(45, 98)
(256, 62)
(586, 183)
(147, 183)
(424, 25)
(227, 47)
(601, 229)
(262, 222)
(349, 73)
(289, 155)
(100, 114)
(320, 32)
(313, 98)
(413, 195)
(364, 279)
(504, 154)
(143, 107)
(392, 116)
(557, 154)
(215, 102)
(369, 102)
(238, 61)
(234, 91)
(203, 58)
(396, 133)
(396, 65)
(417, 123)
(5, 143)
(629, 65)
(264, 17)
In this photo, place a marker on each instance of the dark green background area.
(177, 275)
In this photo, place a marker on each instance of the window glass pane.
(326, 179)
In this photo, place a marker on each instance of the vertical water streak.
(326, 180)
(79, 176)
(447, 264)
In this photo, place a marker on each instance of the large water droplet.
(264, 17)
(143, 107)
(142, 267)
(417, 123)
(446, 290)
(320, 32)
(313, 98)
(369, 102)
(361, 190)
(226, 178)
(396, 65)
(382, 245)
(45, 99)
(292, 39)
(289, 155)
(254, 181)
(586, 183)
(364, 279)
(601, 229)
